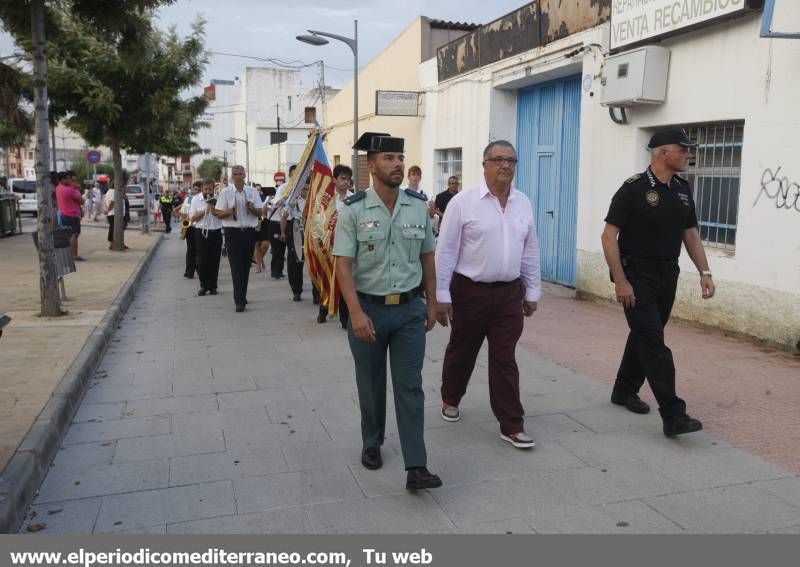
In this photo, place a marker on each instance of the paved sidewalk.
(204, 420)
(35, 353)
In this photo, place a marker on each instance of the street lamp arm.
(349, 41)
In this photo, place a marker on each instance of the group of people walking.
(481, 278)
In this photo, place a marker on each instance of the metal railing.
(715, 175)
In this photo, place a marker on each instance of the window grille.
(714, 175)
(448, 164)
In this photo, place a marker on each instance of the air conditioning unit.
(636, 77)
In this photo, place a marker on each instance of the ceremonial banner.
(320, 224)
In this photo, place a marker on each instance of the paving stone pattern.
(202, 420)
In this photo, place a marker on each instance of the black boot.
(420, 478)
(681, 424)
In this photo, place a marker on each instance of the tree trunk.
(119, 197)
(48, 279)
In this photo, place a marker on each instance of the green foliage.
(210, 168)
(135, 103)
(16, 124)
(83, 170)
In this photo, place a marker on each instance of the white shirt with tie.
(480, 240)
(230, 197)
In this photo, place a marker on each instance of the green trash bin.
(8, 214)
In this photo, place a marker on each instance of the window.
(714, 175)
(448, 163)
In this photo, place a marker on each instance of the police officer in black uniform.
(650, 216)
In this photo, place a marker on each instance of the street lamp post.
(318, 38)
(246, 149)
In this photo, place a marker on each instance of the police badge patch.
(652, 198)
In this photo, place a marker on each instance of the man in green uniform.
(384, 249)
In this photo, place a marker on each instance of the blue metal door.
(548, 126)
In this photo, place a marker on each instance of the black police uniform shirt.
(442, 199)
(652, 216)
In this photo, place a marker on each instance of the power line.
(295, 64)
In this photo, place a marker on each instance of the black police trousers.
(646, 355)
(166, 214)
(240, 242)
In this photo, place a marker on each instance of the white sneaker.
(519, 440)
(450, 413)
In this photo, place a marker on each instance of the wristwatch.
(706, 273)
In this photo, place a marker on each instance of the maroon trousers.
(493, 312)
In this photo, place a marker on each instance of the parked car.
(25, 190)
(135, 197)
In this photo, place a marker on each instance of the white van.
(25, 189)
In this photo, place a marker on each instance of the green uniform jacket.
(386, 248)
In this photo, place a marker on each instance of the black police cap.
(671, 136)
(373, 142)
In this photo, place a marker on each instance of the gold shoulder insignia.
(633, 178)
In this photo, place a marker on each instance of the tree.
(210, 168)
(16, 124)
(84, 171)
(27, 21)
(135, 104)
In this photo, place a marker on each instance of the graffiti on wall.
(779, 189)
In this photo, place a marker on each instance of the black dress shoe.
(371, 458)
(323, 315)
(213, 292)
(296, 297)
(681, 424)
(240, 308)
(201, 292)
(631, 401)
(420, 478)
(188, 276)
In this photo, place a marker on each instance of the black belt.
(647, 264)
(226, 228)
(487, 284)
(394, 299)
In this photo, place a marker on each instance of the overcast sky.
(267, 28)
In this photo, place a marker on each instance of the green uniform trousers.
(401, 329)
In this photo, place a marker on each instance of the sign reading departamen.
(396, 103)
(633, 21)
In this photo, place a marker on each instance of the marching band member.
(208, 237)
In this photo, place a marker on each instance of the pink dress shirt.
(479, 240)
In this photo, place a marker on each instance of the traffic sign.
(93, 156)
(279, 177)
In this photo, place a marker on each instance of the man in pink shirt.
(69, 201)
(487, 279)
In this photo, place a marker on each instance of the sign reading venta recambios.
(633, 21)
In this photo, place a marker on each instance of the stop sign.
(279, 177)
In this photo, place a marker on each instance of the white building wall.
(723, 72)
(221, 118)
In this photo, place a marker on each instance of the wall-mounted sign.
(396, 103)
(633, 21)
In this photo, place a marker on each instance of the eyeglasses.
(498, 161)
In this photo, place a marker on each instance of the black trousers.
(191, 252)
(646, 355)
(277, 248)
(110, 227)
(166, 214)
(239, 242)
(209, 250)
(344, 313)
(295, 266)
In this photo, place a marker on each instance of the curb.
(27, 468)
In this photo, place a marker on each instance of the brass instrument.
(185, 224)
